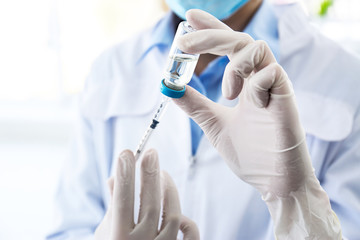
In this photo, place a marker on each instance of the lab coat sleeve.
(79, 205)
(342, 182)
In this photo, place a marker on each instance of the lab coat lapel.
(312, 63)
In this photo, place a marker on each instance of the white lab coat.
(122, 94)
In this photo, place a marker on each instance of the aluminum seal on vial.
(180, 66)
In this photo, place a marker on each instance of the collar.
(264, 26)
(161, 35)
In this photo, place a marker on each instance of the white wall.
(33, 145)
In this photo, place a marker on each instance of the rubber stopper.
(171, 92)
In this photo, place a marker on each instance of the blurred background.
(46, 50)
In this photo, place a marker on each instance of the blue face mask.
(221, 9)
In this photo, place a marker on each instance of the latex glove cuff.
(309, 210)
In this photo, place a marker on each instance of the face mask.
(221, 9)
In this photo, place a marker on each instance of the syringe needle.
(151, 128)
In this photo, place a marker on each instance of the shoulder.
(324, 74)
(310, 57)
(113, 84)
(118, 58)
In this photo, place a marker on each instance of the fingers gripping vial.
(179, 70)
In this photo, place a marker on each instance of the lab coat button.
(191, 171)
(192, 161)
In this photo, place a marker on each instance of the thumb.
(189, 229)
(202, 110)
(110, 183)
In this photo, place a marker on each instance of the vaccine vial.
(178, 72)
(180, 66)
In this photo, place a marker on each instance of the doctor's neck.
(242, 17)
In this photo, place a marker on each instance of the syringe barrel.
(180, 65)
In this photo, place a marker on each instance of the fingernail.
(227, 91)
(180, 42)
(226, 88)
(125, 164)
(184, 43)
(151, 163)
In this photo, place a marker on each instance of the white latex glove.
(118, 222)
(261, 139)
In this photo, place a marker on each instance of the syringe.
(178, 73)
(155, 121)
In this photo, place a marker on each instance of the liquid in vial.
(180, 70)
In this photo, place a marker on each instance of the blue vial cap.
(171, 92)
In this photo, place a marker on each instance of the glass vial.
(180, 66)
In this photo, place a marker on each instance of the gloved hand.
(261, 138)
(118, 222)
